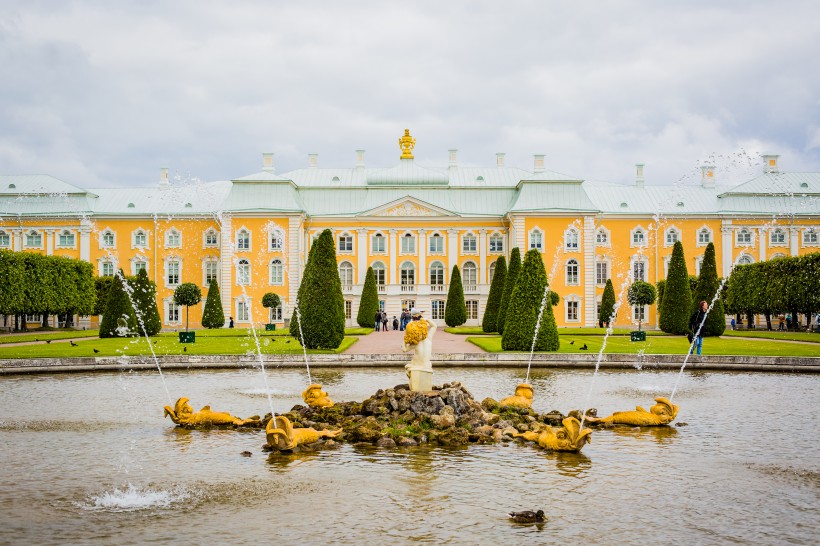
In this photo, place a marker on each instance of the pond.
(88, 458)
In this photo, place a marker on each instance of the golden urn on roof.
(407, 143)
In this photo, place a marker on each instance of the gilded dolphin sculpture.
(283, 436)
(522, 397)
(315, 397)
(662, 413)
(184, 415)
(570, 437)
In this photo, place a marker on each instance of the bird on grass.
(584, 347)
(528, 516)
(185, 349)
(48, 341)
(155, 342)
(73, 344)
(287, 341)
(572, 342)
(96, 351)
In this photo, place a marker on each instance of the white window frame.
(746, 231)
(434, 273)
(205, 243)
(779, 231)
(345, 243)
(168, 307)
(572, 240)
(169, 234)
(138, 259)
(348, 309)
(496, 243)
(105, 264)
(276, 240)
(603, 237)
(810, 232)
(346, 268)
(136, 233)
(572, 300)
(491, 272)
(437, 309)
(208, 262)
(605, 264)
(633, 262)
(639, 313)
(275, 314)
(167, 271)
(672, 232)
(273, 266)
(745, 259)
(61, 234)
(243, 303)
(5, 239)
(378, 266)
(103, 236)
(467, 282)
(633, 232)
(240, 241)
(469, 244)
(572, 262)
(405, 273)
(243, 273)
(378, 236)
(532, 242)
(410, 241)
(710, 236)
(437, 238)
(472, 309)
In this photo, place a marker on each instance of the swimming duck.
(528, 516)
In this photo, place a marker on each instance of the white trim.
(166, 304)
(276, 230)
(806, 231)
(247, 300)
(439, 237)
(497, 234)
(670, 230)
(270, 272)
(101, 238)
(575, 298)
(139, 258)
(165, 262)
(239, 275)
(748, 230)
(644, 232)
(463, 251)
(532, 232)
(210, 260)
(167, 236)
(134, 244)
(567, 233)
(607, 234)
(10, 237)
(748, 259)
(784, 232)
(603, 260)
(347, 235)
(711, 235)
(406, 236)
(61, 232)
(205, 238)
(237, 249)
(385, 241)
(577, 265)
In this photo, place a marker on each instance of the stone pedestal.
(421, 380)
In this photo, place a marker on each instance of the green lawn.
(810, 337)
(465, 330)
(666, 345)
(47, 334)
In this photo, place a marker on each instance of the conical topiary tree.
(676, 306)
(525, 304)
(369, 303)
(144, 294)
(118, 318)
(455, 310)
(213, 316)
(320, 300)
(490, 321)
(509, 284)
(607, 304)
(707, 287)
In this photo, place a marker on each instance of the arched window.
(672, 236)
(378, 273)
(572, 272)
(602, 237)
(173, 238)
(408, 274)
(277, 272)
(469, 276)
(536, 239)
(277, 240)
(243, 272)
(436, 244)
(571, 239)
(744, 237)
(778, 237)
(496, 243)
(377, 244)
(346, 275)
(777, 256)
(140, 238)
(108, 240)
(243, 239)
(469, 245)
(745, 259)
(345, 243)
(810, 236)
(66, 239)
(638, 237)
(704, 236)
(436, 277)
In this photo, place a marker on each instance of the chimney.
(707, 179)
(267, 162)
(639, 179)
(538, 160)
(313, 160)
(359, 159)
(499, 159)
(163, 178)
(770, 163)
(453, 158)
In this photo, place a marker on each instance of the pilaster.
(589, 271)
(482, 256)
(361, 253)
(794, 233)
(394, 254)
(49, 235)
(452, 251)
(422, 273)
(726, 246)
(762, 242)
(226, 269)
(294, 254)
(85, 240)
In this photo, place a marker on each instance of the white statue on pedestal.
(418, 337)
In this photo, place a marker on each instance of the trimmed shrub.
(525, 304)
(369, 303)
(102, 285)
(117, 307)
(509, 284)
(707, 287)
(490, 320)
(187, 294)
(144, 295)
(641, 293)
(607, 304)
(320, 299)
(676, 306)
(455, 310)
(213, 316)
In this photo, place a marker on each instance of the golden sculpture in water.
(407, 143)
(315, 397)
(662, 413)
(183, 414)
(283, 436)
(522, 398)
(570, 437)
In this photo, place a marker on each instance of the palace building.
(412, 224)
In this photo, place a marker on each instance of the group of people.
(398, 323)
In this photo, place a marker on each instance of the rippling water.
(88, 458)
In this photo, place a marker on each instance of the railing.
(347, 288)
(408, 289)
(382, 288)
(470, 288)
(438, 288)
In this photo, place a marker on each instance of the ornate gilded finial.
(407, 143)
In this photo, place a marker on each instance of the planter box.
(187, 337)
(637, 336)
(270, 327)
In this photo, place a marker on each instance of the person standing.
(384, 321)
(378, 320)
(696, 324)
(230, 322)
(395, 323)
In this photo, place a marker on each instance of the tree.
(676, 305)
(605, 316)
(320, 301)
(707, 287)
(524, 307)
(102, 285)
(213, 316)
(509, 284)
(119, 318)
(661, 285)
(455, 310)
(271, 300)
(369, 302)
(12, 281)
(641, 293)
(84, 295)
(187, 294)
(144, 296)
(489, 322)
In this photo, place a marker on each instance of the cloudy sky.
(101, 93)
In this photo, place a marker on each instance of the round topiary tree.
(213, 316)
(271, 300)
(118, 316)
(144, 295)
(320, 300)
(708, 285)
(525, 305)
(676, 305)
(187, 294)
(490, 321)
(605, 316)
(455, 310)
(369, 302)
(641, 293)
(509, 284)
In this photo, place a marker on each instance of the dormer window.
(131, 205)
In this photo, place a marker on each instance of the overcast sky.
(105, 93)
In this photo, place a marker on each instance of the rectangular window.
(34, 318)
(408, 276)
(438, 310)
(381, 305)
(140, 266)
(108, 239)
(436, 244)
(34, 239)
(536, 240)
(496, 243)
(601, 272)
(572, 310)
(173, 273)
(5, 239)
(637, 238)
(276, 242)
(377, 243)
(346, 243)
(408, 304)
(243, 240)
(174, 239)
(173, 312)
(639, 312)
(66, 239)
(468, 244)
(638, 271)
(242, 311)
(378, 273)
(107, 269)
(408, 244)
(211, 238)
(348, 309)
(810, 237)
(704, 237)
(275, 313)
(211, 271)
(472, 309)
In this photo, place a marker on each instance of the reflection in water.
(660, 434)
(328, 377)
(574, 465)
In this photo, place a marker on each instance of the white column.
(794, 233)
(726, 247)
(519, 235)
(422, 276)
(361, 253)
(452, 251)
(226, 263)
(85, 240)
(589, 271)
(761, 235)
(394, 254)
(482, 256)
(18, 239)
(49, 235)
(294, 253)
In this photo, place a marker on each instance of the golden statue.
(522, 398)
(315, 397)
(283, 436)
(407, 143)
(662, 413)
(570, 437)
(183, 415)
